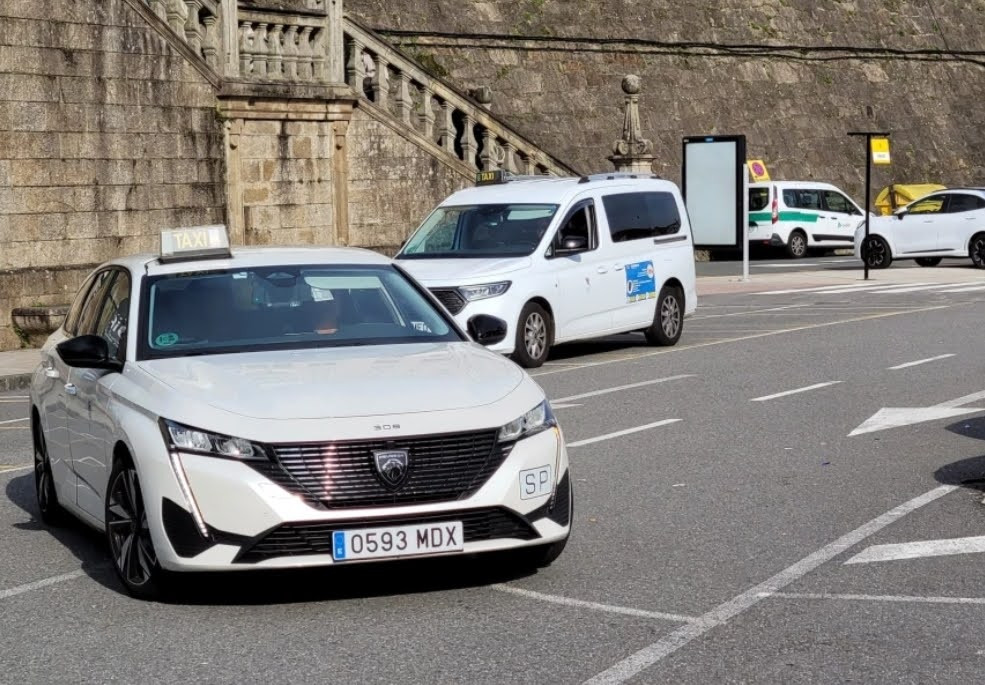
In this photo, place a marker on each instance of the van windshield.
(758, 199)
(506, 230)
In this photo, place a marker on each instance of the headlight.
(485, 291)
(538, 419)
(188, 439)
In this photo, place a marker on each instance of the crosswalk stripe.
(880, 289)
(969, 289)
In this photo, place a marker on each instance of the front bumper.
(252, 522)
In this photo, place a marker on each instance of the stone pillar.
(230, 29)
(632, 153)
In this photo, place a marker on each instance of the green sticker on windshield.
(166, 339)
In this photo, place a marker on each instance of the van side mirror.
(570, 246)
(487, 330)
(88, 352)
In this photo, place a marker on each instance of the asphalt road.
(710, 542)
(765, 261)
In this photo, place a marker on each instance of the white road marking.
(919, 550)
(13, 421)
(913, 288)
(10, 469)
(792, 265)
(877, 598)
(815, 289)
(794, 392)
(747, 312)
(595, 606)
(618, 434)
(969, 289)
(919, 362)
(723, 613)
(897, 417)
(641, 384)
(38, 584)
(564, 406)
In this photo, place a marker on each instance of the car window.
(933, 204)
(635, 216)
(285, 308)
(961, 202)
(808, 199)
(759, 198)
(114, 313)
(494, 230)
(90, 309)
(836, 202)
(71, 324)
(580, 224)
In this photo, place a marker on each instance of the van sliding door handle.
(618, 267)
(603, 270)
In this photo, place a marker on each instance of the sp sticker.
(166, 339)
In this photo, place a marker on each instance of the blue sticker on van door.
(640, 282)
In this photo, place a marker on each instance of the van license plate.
(397, 541)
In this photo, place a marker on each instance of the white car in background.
(946, 224)
(273, 408)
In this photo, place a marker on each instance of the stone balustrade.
(455, 123)
(197, 22)
(282, 47)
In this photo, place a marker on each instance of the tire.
(668, 319)
(52, 513)
(976, 250)
(534, 335)
(876, 253)
(797, 244)
(928, 261)
(128, 536)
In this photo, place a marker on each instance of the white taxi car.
(946, 224)
(560, 259)
(282, 407)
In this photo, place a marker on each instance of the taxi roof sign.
(194, 242)
(485, 178)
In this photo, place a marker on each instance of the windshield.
(480, 231)
(278, 308)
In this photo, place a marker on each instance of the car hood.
(462, 271)
(342, 382)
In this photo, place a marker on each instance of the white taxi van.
(560, 259)
(216, 410)
(801, 215)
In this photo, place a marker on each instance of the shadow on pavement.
(967, 473)
(274, 586)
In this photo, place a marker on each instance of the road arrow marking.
(919, 550)
(897, 417)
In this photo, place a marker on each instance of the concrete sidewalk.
(16, 366)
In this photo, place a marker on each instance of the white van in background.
(800, 215)
(560, 259)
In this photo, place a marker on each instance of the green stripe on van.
(801, 217)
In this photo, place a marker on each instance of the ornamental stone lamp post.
(633, 152)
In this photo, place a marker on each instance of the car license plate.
(397, 541)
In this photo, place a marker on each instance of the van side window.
(836, 202)
(581, 226)
(802, 199)
(759, 198)
(636, 216)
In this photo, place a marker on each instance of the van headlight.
(484, 291)
(538, 419)
(187, 439)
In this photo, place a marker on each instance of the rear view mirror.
(88, 352)
(487, 330)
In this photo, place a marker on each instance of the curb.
(17, 381)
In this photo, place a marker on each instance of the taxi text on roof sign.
(194, 242)
(489, 177)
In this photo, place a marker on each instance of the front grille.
(440, 468)
(299, 539)
(450, 298)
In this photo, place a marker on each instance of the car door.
(89, 421)
(965, 217)
(918, 226)
(581, 274)
(645, 228)
(842, 217)
(52, 398)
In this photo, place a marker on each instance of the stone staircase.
(310, 42)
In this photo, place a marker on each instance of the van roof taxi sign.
(194, 242)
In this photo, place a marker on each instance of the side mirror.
(88, 352)
(570, 246)
(487, 330)
(900, 215)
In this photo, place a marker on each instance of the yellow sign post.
(758, 170)
(880, 151)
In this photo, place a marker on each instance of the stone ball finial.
(484, 95)
(631, 85)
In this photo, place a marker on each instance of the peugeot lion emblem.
(392, 465)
